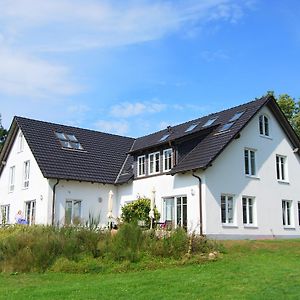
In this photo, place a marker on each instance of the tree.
(3, 134)
(291, 109)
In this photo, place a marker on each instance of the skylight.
(226, 126)
(209, 122)
(236, 116)
(164, 137)
(68, 141)
(191, 127)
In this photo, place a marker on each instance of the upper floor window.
(4, 214)
(236, 116)
(264, 128)
(21, 142)
(191, 127)
(227, 209)
(141, 169)
(26, 172)
(250, 165)
(68, 141)
(281, 167)
(210, 122)
(168, 159)
(154, 163)
(11, 184)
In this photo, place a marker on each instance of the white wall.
(227, 175)
(93, 196)
(38, 186)
(165, 186)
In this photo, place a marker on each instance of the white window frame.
(167, 159)
(227, 198)
(249, 207)
(298, 209)
(248, 164)
(287, 213)
(30, 212)
(11, 182)
(21, 142)
(153, 159)
(73, 201)
(175, 219)
(281, 168)
(141, 165)
(4, 210)
(26, 174)
(264, 125)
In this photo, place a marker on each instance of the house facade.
(232, 174)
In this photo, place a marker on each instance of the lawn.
(249, 270)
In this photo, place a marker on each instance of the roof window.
(164, 137)
(236, 116)
(210, 121)
(191, 127)
(68, 141)
(226, 126)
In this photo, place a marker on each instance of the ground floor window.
(30, 208)
(227, 209)
(73, 212)
(248, 210)
(175, 211)
(299, 213)
(286, 212)
(4, 214)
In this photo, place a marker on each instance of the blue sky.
(132, 67)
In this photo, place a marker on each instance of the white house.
(232, 174)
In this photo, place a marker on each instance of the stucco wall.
(227, 176)
(38, 189)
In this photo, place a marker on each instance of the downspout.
(53, 201)
(200, 203)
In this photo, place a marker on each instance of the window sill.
(283, 181)
(289, 227)
(252, 177)
(250, 226)
(229, 225)
(266, 137)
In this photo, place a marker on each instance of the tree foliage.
(138, 210)
(3, 134)
(291, 109)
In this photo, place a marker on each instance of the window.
(281, 167)
(141, 170)
(30, 212)
(191, 127)
(168, 159)
(11, 184)
(209, 122)
(264, 125)
(164, 137)
(236, 116)
(4, 214)
(68, 141)
(299, 213)
(73, 212)
(248, 210)
(21, 142)
(175, 217)
(249, 156)
(26, 174)
(226, 127)
(154, 163)
(286, 212)
(227, 209)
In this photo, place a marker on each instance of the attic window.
(236, 116)
(226, 126)
(164, 137)
(209, 122)
(191, 127)
(68, 141)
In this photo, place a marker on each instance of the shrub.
(138, 210)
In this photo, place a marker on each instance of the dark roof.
(100, 160)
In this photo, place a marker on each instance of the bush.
(138, 210)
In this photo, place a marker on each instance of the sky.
(133, 67)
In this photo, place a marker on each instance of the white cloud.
(116, 127)
(127, 110)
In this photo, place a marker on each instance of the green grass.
(249, 270)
